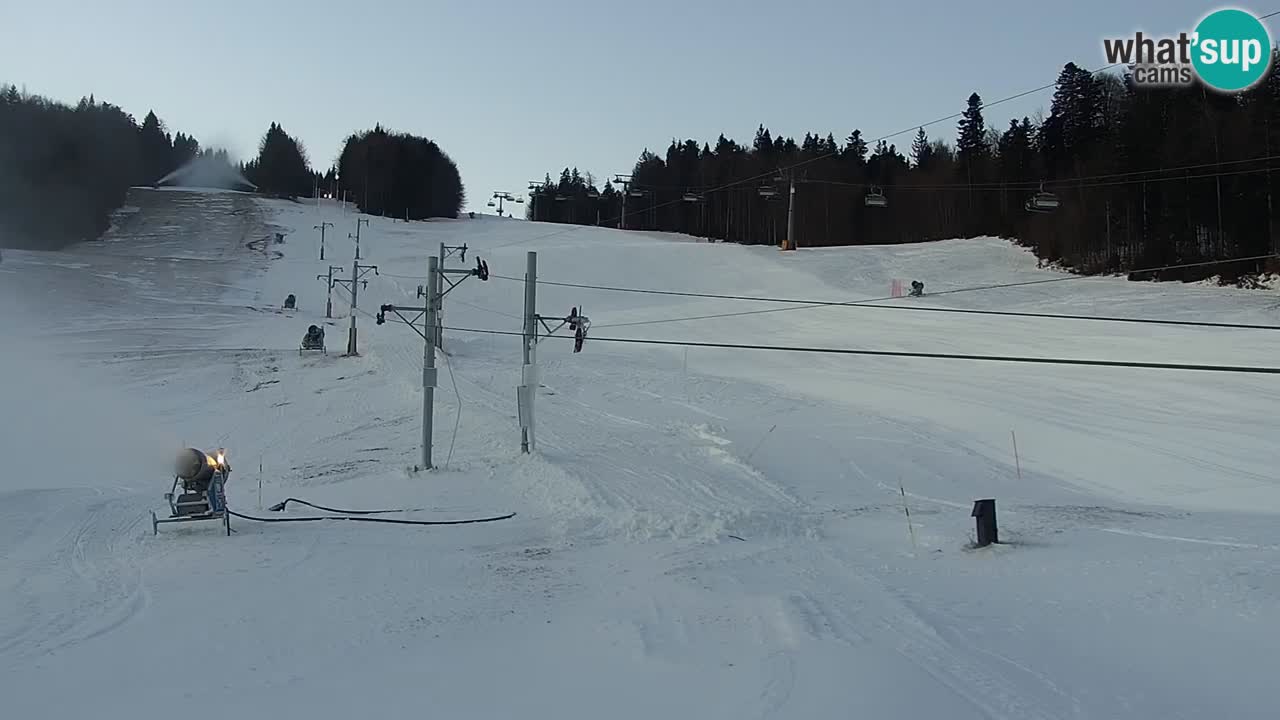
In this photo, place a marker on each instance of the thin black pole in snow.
(910, 529)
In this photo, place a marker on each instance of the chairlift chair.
(692, 197)
(768, 191)
(1042, 202)
(875, 198)
(490, 204)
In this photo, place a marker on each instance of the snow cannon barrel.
(194, 466)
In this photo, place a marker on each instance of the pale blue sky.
(513, 90)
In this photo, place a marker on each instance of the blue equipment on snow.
(203, 477)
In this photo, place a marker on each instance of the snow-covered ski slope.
(717, 534)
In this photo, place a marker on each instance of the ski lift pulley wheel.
(578, 324)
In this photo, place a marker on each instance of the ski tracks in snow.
(871, 633)
(648, 473)
(77, 569)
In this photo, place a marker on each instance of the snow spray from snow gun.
(61, 398)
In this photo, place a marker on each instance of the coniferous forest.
(400, 175)
(64, 169)
(281, 167)
(1144, 178)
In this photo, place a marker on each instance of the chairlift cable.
(799, 304)
(1070, 184)
(906, 354)
(824, 156)
(807, 161)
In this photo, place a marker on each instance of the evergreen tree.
(157, 150)
(400, 175)
(185, 149)
(763, 143)
(921, 150)
(855, 148)
(971, 140)
(281, 167)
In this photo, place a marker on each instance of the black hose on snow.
(281, 506)
(508, 516)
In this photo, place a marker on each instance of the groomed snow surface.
(717, 534)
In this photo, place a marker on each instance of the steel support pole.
(429, 363)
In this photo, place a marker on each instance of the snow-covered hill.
(708, 533)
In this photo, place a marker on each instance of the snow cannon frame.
(203, 477)
(310, 342)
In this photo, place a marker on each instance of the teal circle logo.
(1232, 50)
